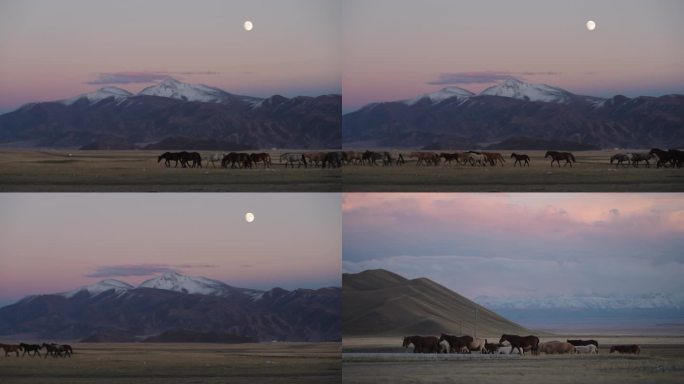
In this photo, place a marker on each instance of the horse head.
(407, 342)
(503, 338)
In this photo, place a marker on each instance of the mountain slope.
(138, 313)
(381, 303)
(185, 114)
(519, 110)
(174, 281)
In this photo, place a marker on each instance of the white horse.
(444, 346)
(291, 158)
(213, 158)
(588, 349)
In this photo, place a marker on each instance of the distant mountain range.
(596, 302)
(382, 303)
(175, 307)
(188, 115)
(457, 118)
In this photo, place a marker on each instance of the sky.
(398, 49)
(521, 245)
(57, 242)
(51, 50)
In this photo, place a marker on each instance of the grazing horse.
(579, 342)
(196, 159)
(332, 160)
(521, 342)
(57, 350)
(291, 158)
(586, 349)
(457, 343)
(556, 347)
(10, 348)
(422, 344)
(558, 156)
(261, 157)
(315, 158)
(371, 158)
(663, 157)
(639, 157)
(620, 158)
(400, 159)
(494, 158)
(519, 159)
(28, 348)
(168, 157)
(633, 349)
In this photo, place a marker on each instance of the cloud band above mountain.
(482, 77)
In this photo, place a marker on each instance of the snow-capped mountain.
(103, 93)
(530, 92)
(174, 281)
(645, 301)
(441, 95)
(175, 89)
(100, 287)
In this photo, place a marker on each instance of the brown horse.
(493, 158)
(457, 343)
(168, 157)
(521, 342)
(263, 157)
(10, 348)
(491, 347)
(633, 349)
(422, 344)
(519, 159)
(558, 156)
(315, 158)
(662, 156)
(351, 157)
(425, 158)
(556, 347)
(639, 157)
(28, 348)
(449, 157)
(620, 158)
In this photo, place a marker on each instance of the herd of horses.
(673, 158)
(33, 350)
(507, 344)
(251, 160)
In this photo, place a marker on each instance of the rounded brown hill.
(381, 303)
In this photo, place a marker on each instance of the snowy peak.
(174, 281)
(100, 287)
(517, 89)
(103, 93)
(441, 95)
(175, 89)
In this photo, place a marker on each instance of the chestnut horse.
(422, 344)
(521, 342)
(556, 347)
(10, 348)
(457, 343)
(558, 156)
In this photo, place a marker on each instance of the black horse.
(168, 157)
(519, 159)
(28, 348)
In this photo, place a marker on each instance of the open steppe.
(139, 171)
(591, 173)
(181, 363)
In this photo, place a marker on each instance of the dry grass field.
(661, 361)
(138, 171)
(181, 363)
(591, 173)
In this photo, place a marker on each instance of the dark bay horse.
(168, 157)
(13, 348)
(663, 157)
(633, 349)
(28, 348)
(457, 343)
(676, 157)
(558, 156)
(422, 344)
(519, 159)
(262, 157)
(521, 343)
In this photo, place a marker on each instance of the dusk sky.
(398, 49)
(521, 245)
(57, 242)
(52, 50)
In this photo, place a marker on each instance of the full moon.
(248, 25)
(249, 217)
(591, 25)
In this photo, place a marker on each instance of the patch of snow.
(100, 287)
(441, 95)
(532, 92)
(101, 94)
(174, 281)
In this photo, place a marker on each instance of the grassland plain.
(139, 171)
(592, 173)
(181, 363)
(661, 361)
